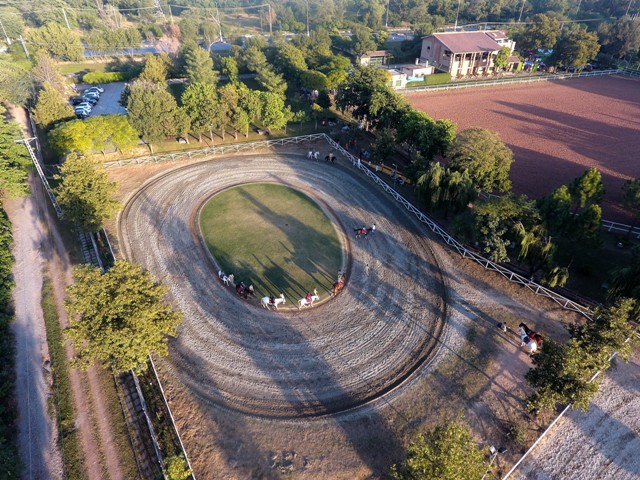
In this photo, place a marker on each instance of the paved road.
(37, 431)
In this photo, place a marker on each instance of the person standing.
(373, 228)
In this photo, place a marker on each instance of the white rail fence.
(212, 151)
(509, 81)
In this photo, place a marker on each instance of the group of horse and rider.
(272, 302)
(364, 231)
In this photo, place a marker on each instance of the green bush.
(437, 78)
(94, 78)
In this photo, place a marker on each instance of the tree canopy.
(85, 193)
(118, 318)
(486, 158)
(151, 109)
(447, 452)
(51, 107)
(14, 160)
(58, 41)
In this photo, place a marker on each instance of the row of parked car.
(82, 105)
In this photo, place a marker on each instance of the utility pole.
(307, 2)
(5, 33)
(628, 7)
(270, 26)
(24, 47)
(522, 10)
(66, 20)
(455, 26)
(386, 20)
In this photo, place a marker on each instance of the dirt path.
(38, 246)
(38, 432)
(601, 444)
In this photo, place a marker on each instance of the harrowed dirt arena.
(556, 130)
(339, 389)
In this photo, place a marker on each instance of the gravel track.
(289, 364)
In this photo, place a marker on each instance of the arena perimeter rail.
(235, 148)
(502, 81)
(461, 249)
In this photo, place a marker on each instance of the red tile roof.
(467, 42)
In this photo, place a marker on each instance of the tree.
(203, 107)
(362, 41)
(199, 67)
(156, 69)
(272, 82)
(15, 83)
(487, 159)
(47, 71)
(324, 100)
(541, 34)
(621, 38)
(289, 61)
(51, 108)
(85, 193)
(587, 189)
(274, 113)
(118, 318)
(384, 146)
(356, 92)
(623, 281)
(575, 48)
(58, 41)
(229, 68)
(502, 58)
(14, 160)
(70, 137)
(120, 131)
(562, 372)
(448, 452)
(313, 80)
(151, 111)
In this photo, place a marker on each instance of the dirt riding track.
(340, 354)
(555, 129)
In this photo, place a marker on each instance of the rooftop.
(466, 42)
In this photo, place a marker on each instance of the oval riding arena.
(343, 352)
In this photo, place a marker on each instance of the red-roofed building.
(466, 53)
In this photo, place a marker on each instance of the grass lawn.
(73, 68)
(274, 237)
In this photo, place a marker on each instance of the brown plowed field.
(555, 129)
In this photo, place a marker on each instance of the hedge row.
(94, 78)
(10, 466)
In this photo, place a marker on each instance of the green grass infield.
(273, 237)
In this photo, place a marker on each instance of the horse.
(361, 232)
(303, 302)
(244, 291)
(530, 338)
(273, 301)
(339, 285)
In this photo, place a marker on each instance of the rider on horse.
(308, 297)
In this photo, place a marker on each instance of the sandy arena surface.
(256, 394)
(555, 129)
(602, 443)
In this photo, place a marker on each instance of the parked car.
(76, 100)
(95, 95)
(95, 88)
(81, 114)
(91, 100)
(82, 107)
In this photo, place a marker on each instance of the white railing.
(212, 151)
(489, 83)
(461, 249)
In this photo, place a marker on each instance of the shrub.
(94, 78)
